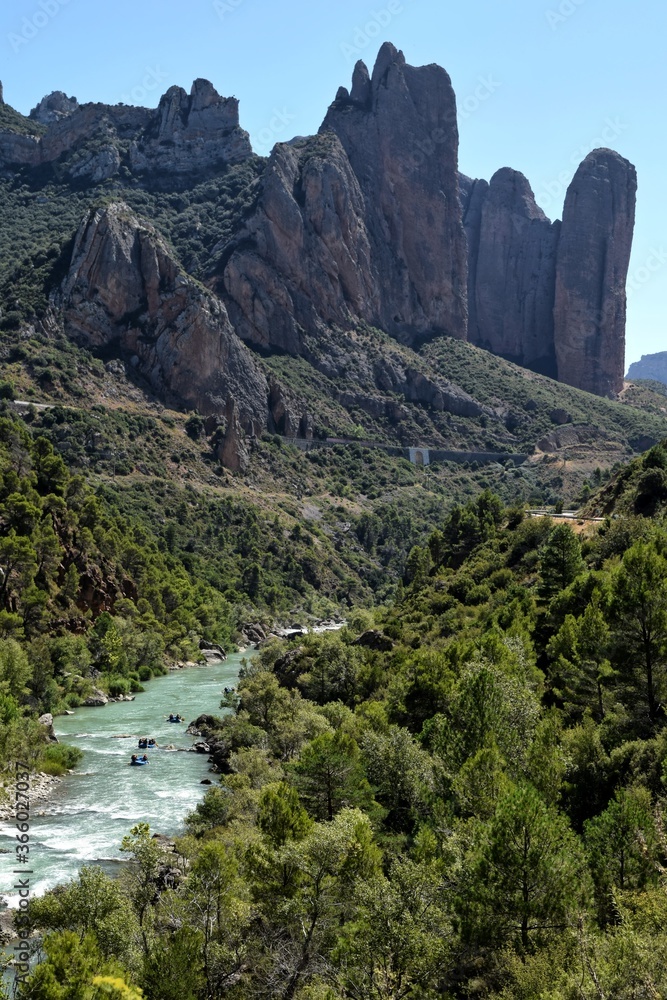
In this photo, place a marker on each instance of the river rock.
(96, 699)
(46, 720)
(212, 647)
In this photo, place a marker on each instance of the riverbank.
(41, 788)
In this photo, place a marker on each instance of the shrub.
(59, 758)
(118, 685)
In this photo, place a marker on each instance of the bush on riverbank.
(59, 758)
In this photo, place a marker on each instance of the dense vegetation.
(460, 795)
(104, 588)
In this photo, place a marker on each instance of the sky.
(539, 82)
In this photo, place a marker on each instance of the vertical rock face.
(124, 288)
(303, 260)
(511, 270)
(362, 222)
(399, 130)
(591, 273)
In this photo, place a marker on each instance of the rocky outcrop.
(54, 107)
(367, 224)
(512, 270)
(362, 223)
(189, 136)
(125, 288)
(376, 640)
(591, 273)
(651, 366)
(191, 133)
(232, 451)
(551, 296)
(303, 260)
(399, 130)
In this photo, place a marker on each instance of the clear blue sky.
(562, 76)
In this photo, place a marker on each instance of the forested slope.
(461, 794)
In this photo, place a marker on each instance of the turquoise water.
(91, 810)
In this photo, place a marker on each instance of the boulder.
(46, 720)
(96, 699)
(373, 639)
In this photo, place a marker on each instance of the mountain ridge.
(351, 228)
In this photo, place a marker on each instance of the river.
(85, 819)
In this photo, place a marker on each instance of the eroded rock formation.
(361, 223)
(551, 296)
(188, 136)
(512, 270)
(366, 224)
(399, 130)
(125, 288)
(591, 273)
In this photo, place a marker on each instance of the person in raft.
(139, 760)
(176, 718)
(143, 742)
(151, 743)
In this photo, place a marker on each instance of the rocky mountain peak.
(204, 95)
(54, 107)
(398, 129)
(389, 57)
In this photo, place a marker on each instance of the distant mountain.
(651, 366)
